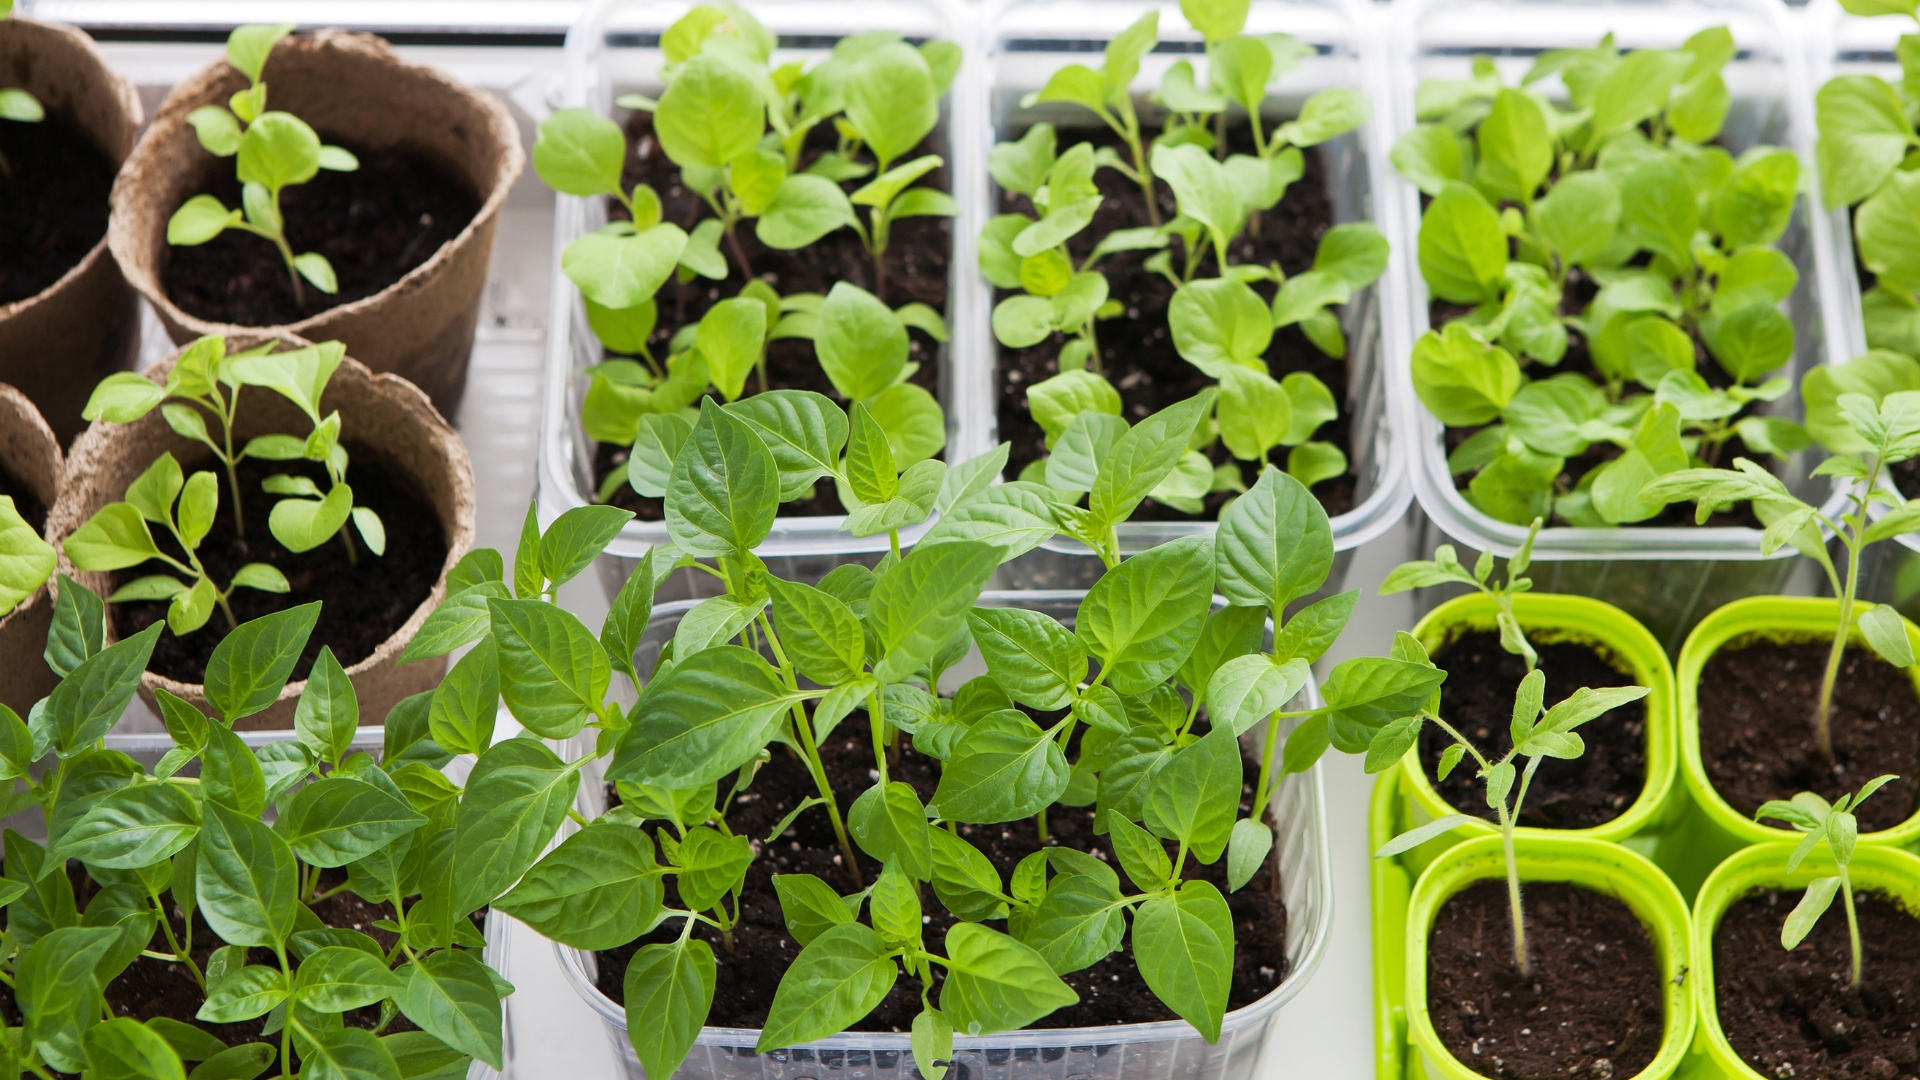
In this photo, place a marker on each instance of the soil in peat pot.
(375, 225)
(362, 603)
(1111, 991)
(919, 250)
(152, 987)
(29, 507)
(1136, 348)
(1477, 699)
(1757, 706)
(1790, 1014)
(53, 203)
(1591, 1006)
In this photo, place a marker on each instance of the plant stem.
(1822, 729)
(811, 751)
(739, 254)
(1513, 893)
(876, 713)
(179, 953)
(233, 464)
(1853, 925)
(346, 538)
(1040, 820)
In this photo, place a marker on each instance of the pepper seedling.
(1628, 192)
(1834, 825)
(1865, 133)
(118, 537)
(272, 151)
(16, 104)
(1866, 412)
(1538, 733)
(1445, 568)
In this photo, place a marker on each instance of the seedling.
(16, 104)
(1446, 569)
(1538, 733)
(1866, 132)
(272, 151)
(1834, 825)
(1867, 414)
(155, 843)
(118, 537)
(1626, 191)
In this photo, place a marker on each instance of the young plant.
(1866, 413)
(1817, 822)
(272, 151)
(1538, 733)
(16, 104)
(1446, 569)
(1628, 192)
(1866, 134)
(118, 536)
(158, 845)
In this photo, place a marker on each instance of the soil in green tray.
(1757, 742)
(917, 258)
(1590, 1007)
(1111, 991)
(1790, 1014)
(1477, 699)
(1136, 348)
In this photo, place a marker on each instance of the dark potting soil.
(1591, 1006)
(1477, 699)
(375, 225)
(1906, 476)
(1111, 991)
(1757, 707)
(1791, 1013)
(53, 203)
(1136, 348)
(29, 507)
(362, 603)
(919, 250)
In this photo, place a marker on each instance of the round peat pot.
(31, 455)
(1712, 829)
(1146, 1051)
(1609, 869)
(58, 343)
(1620, 640)
(386, 422)
(355, 89)
(1888, 871)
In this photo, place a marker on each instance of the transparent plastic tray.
(1684, 572)
(1024, 42)
(614, 49)
(1152, 1051)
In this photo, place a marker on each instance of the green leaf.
(669, 989)
(919, 604)
(1143, 617)
(833, 983)
(579, 152)
(1013, 518)
(1004, 768)
(891, 100)
(328, 711)
(553, 673)
(1202, 189)
(461, 618)
(1254, 412)
(1035, 659)
(1078, 923)
(1194, 797)
(124, 1049)
(114, 538)
(710, 114)
(576, 538)
(809, 906)
(1658, 209)
(724, 490)
(1220, 323)
(1864, 135)
(1462, 380)
(79, 627)
(231, 775)
(244, 1062)
(861, 343)
(1022, 166)
(1247, 851)
(450, 995)
(964, 879)
(890, 824)
(932, 1041)
(244, 881)
(707, 717)
(1800, 922)
(1886, 633)
(1413, 838)
(804, 209)
(1183, 943)
(132, 828)
(340, 977)
(1433, 156)
(995, 983)
(1516, 149)
(250, 666)
(804, 432)
(1579, 216)
(1141, 459)
(821, 635)
(1273, 544)
(1247, 689)
(87, 703)
(1463, 250)
(516, 797)
(278, 149)
(339, 819)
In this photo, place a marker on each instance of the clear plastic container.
(1668, 578)
(614, 49)
(1122, 1052)
(1023, 43)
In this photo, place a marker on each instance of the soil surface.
(1757, 707)
(1790, 1014)
(1136, 348)
(1477, 699)
(1590, 1008)
(25, 503)
(363, 603)
(1111, 991)
(1906, 476)
(918, 253)
(375, 225)
(53, 203)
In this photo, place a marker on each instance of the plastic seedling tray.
(1150, 1051)
(1668, 578)
(1023, 44)
(614, 49)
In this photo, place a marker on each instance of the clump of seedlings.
(1578, 259)
(272, 150)
(153, 879)
(1445, 568)
(1050, 262)
(762, 679)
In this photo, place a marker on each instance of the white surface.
(1326, 1033)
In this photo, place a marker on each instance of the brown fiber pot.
(387, 418)
(350, 86)
(29, 451)
(56, 346)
